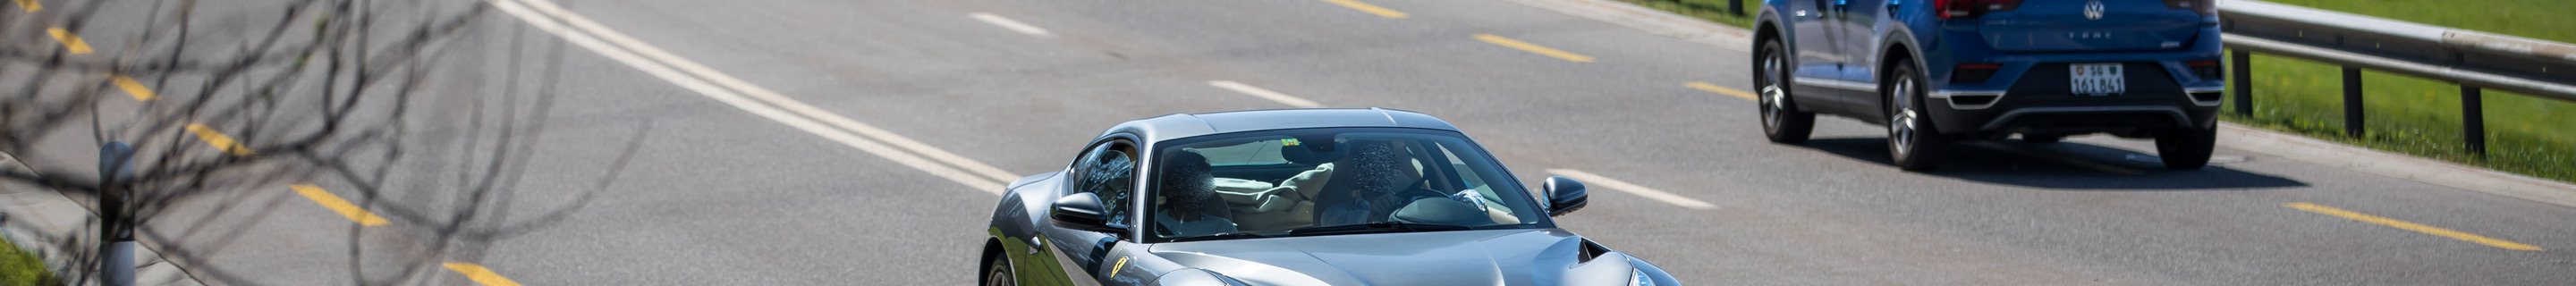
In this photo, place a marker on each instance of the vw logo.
(2093, 10)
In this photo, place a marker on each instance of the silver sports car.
(1293, 197)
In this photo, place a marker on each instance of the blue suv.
(1939, 71)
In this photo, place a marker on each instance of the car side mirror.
(1081, 211)
(1564, 195)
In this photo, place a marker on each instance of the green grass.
(2418, 116)
(2407, 115)
(1712, 10)
(18, 268)
(2414, 116)
(2537, 19)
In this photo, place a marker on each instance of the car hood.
(1485, 257)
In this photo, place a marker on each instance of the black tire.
(1781, 119)
(2042, 138)
(1912, 140)
(998, 273)
(2186, 148)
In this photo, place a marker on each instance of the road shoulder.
(44, 222)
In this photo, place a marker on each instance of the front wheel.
(2186, 148)
(999, 272)
(1912, 140)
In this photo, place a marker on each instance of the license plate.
(2097, 79)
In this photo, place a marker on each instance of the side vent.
(1591, 250)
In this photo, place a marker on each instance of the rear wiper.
(1221, 236)
(1374, 227)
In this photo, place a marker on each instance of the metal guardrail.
(2474, 60)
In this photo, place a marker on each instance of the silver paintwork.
(1482, 257)
(1944, 96)
(2187, 91)
(1536, 256)
(1176, 126)
(1835, 84)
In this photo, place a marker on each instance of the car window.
(1328, 177)
(1473, 178)
(1259, 151)
(1109, 171)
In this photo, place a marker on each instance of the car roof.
(1177, 126)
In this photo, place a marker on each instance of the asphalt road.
(717, 194)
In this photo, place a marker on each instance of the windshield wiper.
(1374, 227)
(1220, 236)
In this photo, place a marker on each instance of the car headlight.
(1638, 278)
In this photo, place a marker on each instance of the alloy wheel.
(1901, 125)
(1772, 95)
(999, 274)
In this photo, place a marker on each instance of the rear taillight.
(1961, 9)
(2204, 7)
(2205, 69)
(1973, 73)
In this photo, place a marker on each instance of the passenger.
(1189, 205)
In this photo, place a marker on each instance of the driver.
(1369, 172)
(1189, 202)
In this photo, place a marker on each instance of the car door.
(1107, 170)
(1859, 24)
(1813, 42)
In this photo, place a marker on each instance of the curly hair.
(1188, 187)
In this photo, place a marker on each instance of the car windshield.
(1261, 184)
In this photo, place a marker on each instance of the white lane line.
(1007, 23)
(764, 94)
(1282, 98)
(973, 174)
(1624, 186)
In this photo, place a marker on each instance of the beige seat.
(1290, 203)
(1240, 186)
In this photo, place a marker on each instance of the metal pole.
(116, 231)
(2473, 119)
(2240, 72)
(2352, 101)
(1735, 6)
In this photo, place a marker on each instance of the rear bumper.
(2041, 102)
(2118, 119)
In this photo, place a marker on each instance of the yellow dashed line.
(480, 274)
(1720, 90)
(339, 205)
(220, 141)
(31, 5)
(1533, 48)
(70, 42)
(2499, 243)
(132, 87)
(1371, 9)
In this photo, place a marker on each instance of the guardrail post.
(2352, 101)
(1735, 6)
(2473, 119)
(115, 228)
(2240, 72)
